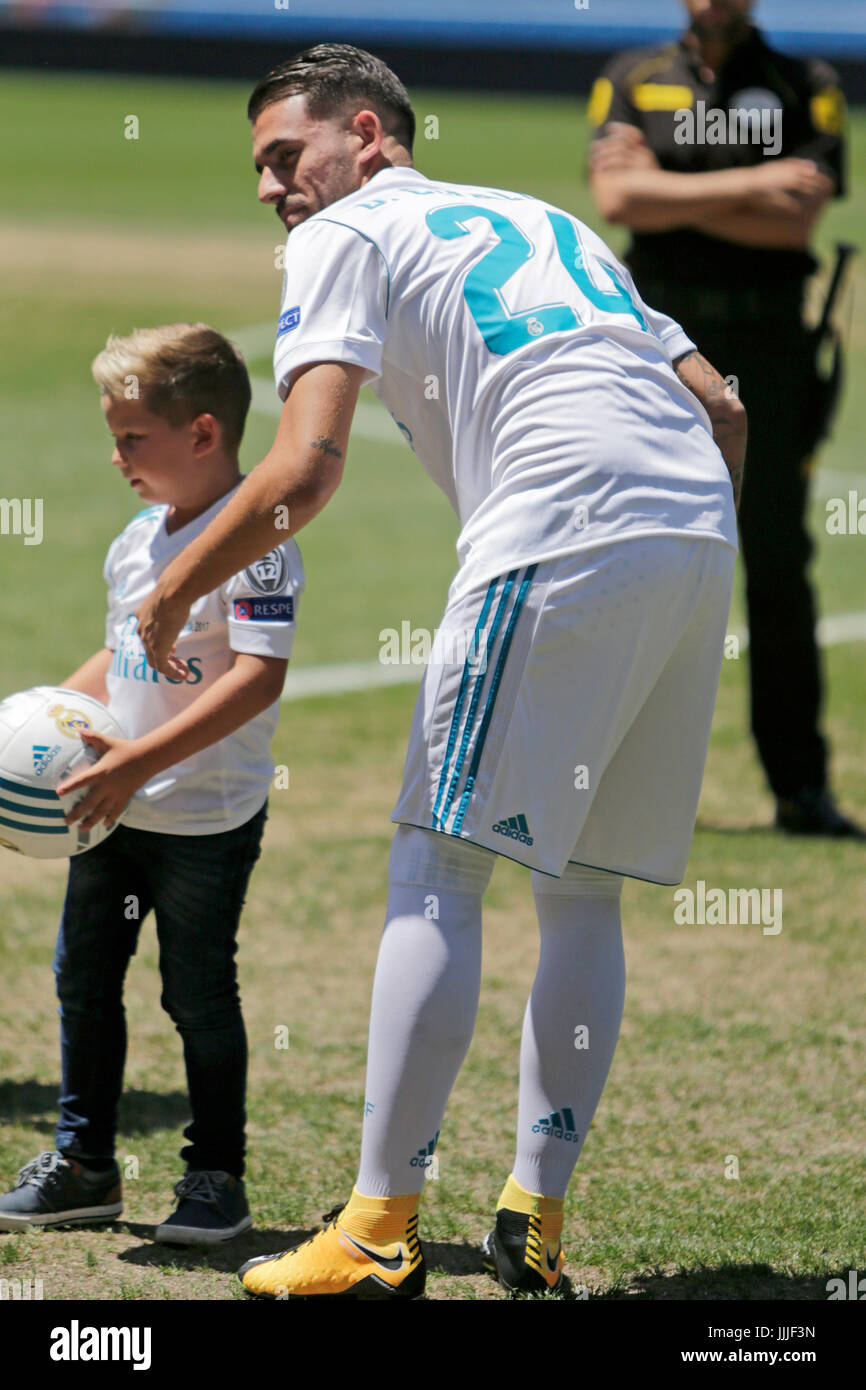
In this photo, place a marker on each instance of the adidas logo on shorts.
(515, 827)
(558, 1124)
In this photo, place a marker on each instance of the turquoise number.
(501, 330)
(568, 245)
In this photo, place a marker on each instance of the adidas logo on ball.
(43, 757)
(515, 827)
(40, 746)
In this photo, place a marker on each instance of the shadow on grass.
(452, 1257)
(228, 1256)
(722, 1283)
(760, 829)
(140, 1111)
(442, 1257)
(20, 1101)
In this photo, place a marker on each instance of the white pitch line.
(369, 421)
(373, 422)
(834, 482)
(255, 339)
(832, 631)
(346, 677)
(841, 627)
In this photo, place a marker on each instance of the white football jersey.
(517, 358)
(255, 611)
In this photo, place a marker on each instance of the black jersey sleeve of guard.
(610, 98)
(824, 137)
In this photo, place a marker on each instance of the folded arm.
(774, 204)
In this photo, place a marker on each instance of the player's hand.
(159, 622)
(113, 780)
(622, 146)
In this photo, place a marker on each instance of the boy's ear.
(207, 433)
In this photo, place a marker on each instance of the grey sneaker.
(53, 1190)
(211, 1207)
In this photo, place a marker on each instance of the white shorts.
(565, 713)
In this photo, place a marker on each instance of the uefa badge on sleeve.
(268, 575)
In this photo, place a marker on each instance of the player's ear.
(368, 126)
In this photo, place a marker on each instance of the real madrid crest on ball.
(267, 575)
(39, 746)
(68, 722)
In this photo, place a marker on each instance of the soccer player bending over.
(589, 452)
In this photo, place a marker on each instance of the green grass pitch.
(734, 1044)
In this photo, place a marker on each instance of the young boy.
(190, 783)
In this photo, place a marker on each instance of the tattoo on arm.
(326, 445)
(702, 378)
(722, 406)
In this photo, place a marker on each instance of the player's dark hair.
(179, 371)
(334, 75)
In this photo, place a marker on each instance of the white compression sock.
(571, 1024)
(425, 999)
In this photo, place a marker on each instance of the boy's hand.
(113, 780)
(159, 622)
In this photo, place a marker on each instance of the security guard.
(719, 154)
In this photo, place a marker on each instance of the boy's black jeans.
(196, 886)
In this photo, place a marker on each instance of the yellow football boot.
(524, 1250)
(335, 1264)
(520, 1256)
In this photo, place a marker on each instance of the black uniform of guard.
(742, 306)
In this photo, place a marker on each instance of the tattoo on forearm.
(708, 383)
(326, 445)
(714, 393)
(731, 445)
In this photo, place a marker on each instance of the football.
(39, 746)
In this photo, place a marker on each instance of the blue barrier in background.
(834, 27)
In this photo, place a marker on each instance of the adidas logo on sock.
(515, 827)
(424, 1157)
(558, 1124)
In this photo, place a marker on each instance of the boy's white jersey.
(255, 611)
(518, 360)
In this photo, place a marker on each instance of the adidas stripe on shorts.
(565, 712)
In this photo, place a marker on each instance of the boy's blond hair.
(178, 371)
